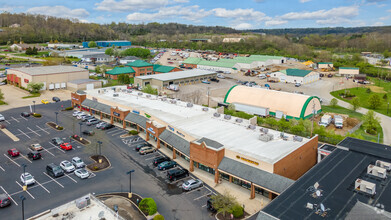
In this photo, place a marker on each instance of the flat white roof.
(177, 75)
(43, 70)
(198, 123)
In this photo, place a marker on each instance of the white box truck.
(338, 121)
(325, 120)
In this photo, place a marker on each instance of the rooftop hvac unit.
(189, 105)
(173, 101)
(376, 171)
(216, 114)
(115, 94)
(140, 93)
(252, 127)
(239, 120)
(365, 186)
(164, 99)
(383, 164)
(297, 138)
(148, 96)
(228, 117)
(83, 202)
(264, 130)
(205, 109)
(266, 137)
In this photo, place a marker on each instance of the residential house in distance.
(22, 47)
(232, 39)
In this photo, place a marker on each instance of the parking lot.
(49, 192)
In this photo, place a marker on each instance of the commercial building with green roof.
(296, 76)
(138, 63)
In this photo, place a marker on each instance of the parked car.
(146, 150)
(177, 174)
(67, 166)
(57, 141)
(36, 147)
(66, 146)
(215, 80)
(220, 76)
(87, 117)
(89, 133)
(330, 75)
(100, 125)
(82, 173)
(76, 113)
(192, 184)
(298, 84)
(13, 152)
(56, 99)
(34, 155)
(77, 162)
(167, 165)
(205, 81)
(27, 179)
(92, 121)
(54, 170)
(209, 205)
(139, 146)
(2, 117)
(81, 115)
(159, 160)
(25, 114)
(44, 101)
(107, 126)
(4, 200)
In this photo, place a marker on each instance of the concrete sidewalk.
(241, 194)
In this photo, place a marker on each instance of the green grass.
(33, 95)
(40, 54)
(114, 82)
(363, 135)
(3, 103)
(361, 93)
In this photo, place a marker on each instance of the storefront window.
(206, 168)
(224, 176)
(241, 183)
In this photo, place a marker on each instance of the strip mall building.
(232, 149)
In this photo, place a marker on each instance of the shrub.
(334, 102)
(69, 108)
(158, 217)
(95, 168)
(368, 90)
(60, 128)
(37, 115)
(133, 132)
(237, 211)
(148, 205)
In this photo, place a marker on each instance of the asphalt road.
(147, 181)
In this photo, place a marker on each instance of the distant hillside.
(323, 31)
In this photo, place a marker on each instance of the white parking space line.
(33, 131)
(92, 175)
(119, 133)
(24, 118)
(151, 158)
(203, 206)
(12, 160)
(53, 180)
(48, 152)
(26, 190)
(112, 131)
(15, 119)
(42, 186)
(57, 147)
(210, 190)
(2, 168)
(42, 129)
(194, 190)
(25, 158)
(7, 122)
(70, 177)
(202, 196)
(8, 195)
(24, 133)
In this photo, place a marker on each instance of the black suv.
(57, 141)
(159, 160)
(177, 174)
(107, 126)
(139, 146)
(25, 114)
(35, 155)
(54, 170)
(209, 205)
(56, 99)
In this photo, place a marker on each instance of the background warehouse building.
(296, 76)
(53, 77)
(266, 102)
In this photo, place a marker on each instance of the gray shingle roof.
(210, 143)
(262, 178)
(97, 106)
(174, 140)
(137, 119)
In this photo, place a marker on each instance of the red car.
(66, 146)
(13, 152)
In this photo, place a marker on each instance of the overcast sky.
(239, 14)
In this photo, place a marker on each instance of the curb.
(80, 142)
(128, 200)
(52, 127)
(101, 169)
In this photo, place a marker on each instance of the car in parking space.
(34, 155)
(25, 114)
(167, 165)
(44, 101)
(54, 170)
(82, 173)
(220, 76)
(67, 166)
(2, 118)
(36, 147)
(177, 174)
(13, 152)
(209, 205)
(4, 200)
(81, 115)
(107, 126)
(88, 132)
(77, 162)
(27, 179)
(205, 81)
(215, 80)
(139, 146)
(192, 184)
(298, 84)
(57, 141)
(87, 117)
(92, 121)
(159, 160)
(146, 150)
(75, 113)
(100, 125)
(56, 99)
(66, 146)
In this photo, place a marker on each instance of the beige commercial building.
(53, 77)
(349, 71)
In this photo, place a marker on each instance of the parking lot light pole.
(130, 183)
(56, 118)
(100, 147)
(22, 198)
(80, 123)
